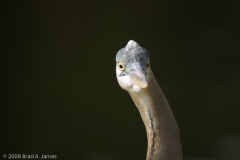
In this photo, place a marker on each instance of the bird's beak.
(138, 78)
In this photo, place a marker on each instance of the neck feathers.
(162, 130)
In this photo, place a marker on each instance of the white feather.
(125, 82)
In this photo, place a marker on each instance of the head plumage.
(131, 53)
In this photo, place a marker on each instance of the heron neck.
(162, 130)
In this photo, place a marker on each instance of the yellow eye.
(120, 66)
(148, 65)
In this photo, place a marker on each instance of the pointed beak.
(138, 76)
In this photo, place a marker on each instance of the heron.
(136, 77)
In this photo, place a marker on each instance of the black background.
(59, 90)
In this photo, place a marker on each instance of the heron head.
(132, 65)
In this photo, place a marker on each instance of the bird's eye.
(120, 66)
(148, 65)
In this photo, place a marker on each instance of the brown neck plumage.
(162, 130)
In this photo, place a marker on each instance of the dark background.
(59, 89)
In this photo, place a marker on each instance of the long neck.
(162, 130)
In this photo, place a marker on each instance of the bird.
(134, 75)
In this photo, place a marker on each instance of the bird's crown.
(131, 53)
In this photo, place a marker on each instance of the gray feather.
(133, 52)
